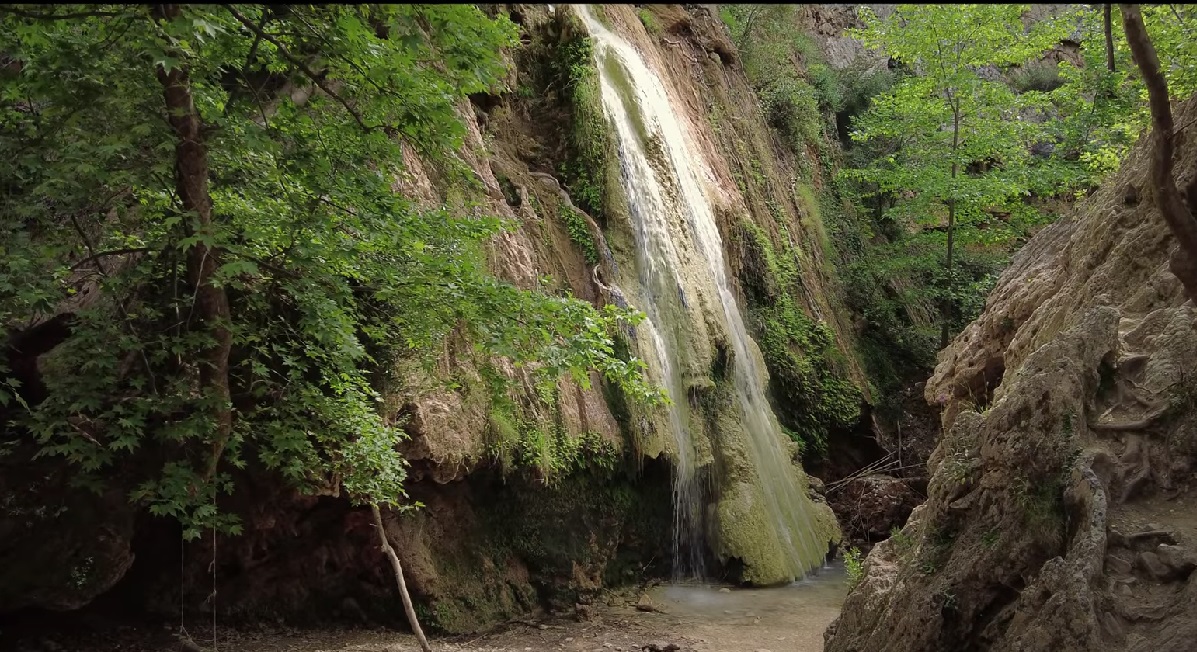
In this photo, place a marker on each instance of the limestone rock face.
(1059, 514)
(828, 24)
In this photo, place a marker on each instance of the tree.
(1176, 214)
(958, 142)
(199, 229)
(1108, 31)
(1103, 105)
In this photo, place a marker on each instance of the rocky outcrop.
(1059, 510)
(59, 547)
(828, 24)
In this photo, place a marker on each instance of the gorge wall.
(528, 499)
(1060, 508)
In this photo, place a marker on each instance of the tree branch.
(1167, 198)
(1138, 424)
(1107, 26)
(38, 16)
(398, 570)
(317, 79)
(96, 255)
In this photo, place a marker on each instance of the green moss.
(589, 146)
(522, 439)
(810, 398)
(621, 81)
(649, 21)
(477, 601)
(600, 13)
(744, 532)
(553, 530)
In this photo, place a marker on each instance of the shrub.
(854, 564)
(649, 21)
(792, 109)
(1042, 76)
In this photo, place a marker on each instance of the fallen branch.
(398, 568)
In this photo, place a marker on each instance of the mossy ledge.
(810, 396)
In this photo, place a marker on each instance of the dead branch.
(398, 568)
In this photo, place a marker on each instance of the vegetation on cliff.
(201, 234)
(1042, 119)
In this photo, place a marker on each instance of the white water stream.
(680, 261)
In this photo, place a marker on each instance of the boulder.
(869, 508)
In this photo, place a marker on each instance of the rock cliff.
(1060, 507)
(497, 536)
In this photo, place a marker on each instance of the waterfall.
(681, 268)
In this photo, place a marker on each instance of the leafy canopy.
(309, 116)
(953, 135)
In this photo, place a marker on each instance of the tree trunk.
(398, 568)
(191, 182)
(947, 302)
(1167, 198)
(1109, 30)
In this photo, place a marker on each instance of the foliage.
(580, 233)
(588, 146)
(1102, 113)
(954, 164)
(858, 84)
(902, 542)
(991, 538)
(810, 398)
(854, 565)
(1041, 76)
(1171, 29)
(772, 47)
(330, 275)
(790, 106)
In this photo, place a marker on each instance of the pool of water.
(790, 617)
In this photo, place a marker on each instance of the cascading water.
(681, 264)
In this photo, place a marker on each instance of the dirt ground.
(678, 618)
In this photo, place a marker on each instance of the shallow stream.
(695, 618)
